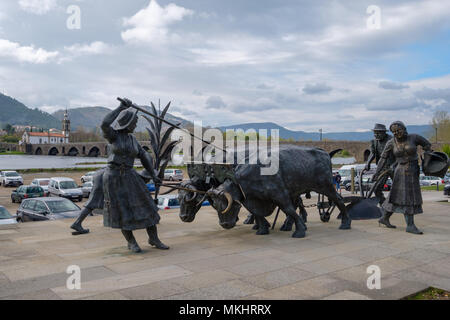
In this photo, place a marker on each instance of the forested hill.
(16, 113)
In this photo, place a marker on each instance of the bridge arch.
(53, 151)
(73, 152)
(94, 152)
(38, 151)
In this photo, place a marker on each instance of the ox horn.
(227, 195)
(189, 199)
(229, 200)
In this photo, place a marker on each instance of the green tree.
(441, 125)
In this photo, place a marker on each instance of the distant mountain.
(92, 117)
(315, 136)
(16, 113)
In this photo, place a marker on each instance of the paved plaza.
(208, 262)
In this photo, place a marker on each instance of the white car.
(88, 177)
(65, 187)
(169, 201)
(173, 174)
(6, 218)
(10, 178)
(41, 182)
(430, 180)
(87, 188)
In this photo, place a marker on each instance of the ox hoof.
(286, 228)
(255, 227)
(299, 234)
(249, 221)
(262, 231)
(345, 227)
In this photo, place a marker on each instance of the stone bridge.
(8, 147)
(360, 150)
(76, 149)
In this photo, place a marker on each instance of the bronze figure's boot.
(77, 224)
(153, 238)
(132, 244)
(410, 226)
(385, 219)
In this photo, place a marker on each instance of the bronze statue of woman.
(405, 196)
(128, 203)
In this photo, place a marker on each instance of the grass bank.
(11, 153)
(433, 188)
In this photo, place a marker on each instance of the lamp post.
(320, 130)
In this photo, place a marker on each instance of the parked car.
(447, 177)
(447, 189)
(10, 178)
(65, 187)
(346, 172)
(43, 183)
(47, 208)
(430, 180)
(368, 183)
(26, 192)
(6, 218)
(173, 174)
(151, 186)
(86, 188)
(169, 201)
(88, 177)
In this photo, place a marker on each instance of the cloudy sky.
(304, 64)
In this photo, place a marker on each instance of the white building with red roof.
(51, 137)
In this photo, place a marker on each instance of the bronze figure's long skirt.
(405, 195)
(128, 204)
(96, 200)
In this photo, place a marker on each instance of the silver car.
(173, 174)
(87, 188)
(66, 188)
(47, 208)
(88, 177)
(6, 218)
(42, 182)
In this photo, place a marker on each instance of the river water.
(16, 162)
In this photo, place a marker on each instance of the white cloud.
(151, 24)
(25, 53)
(96, 47)
(38, 7)
(389, 85)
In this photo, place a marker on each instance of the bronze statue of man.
(376, 149)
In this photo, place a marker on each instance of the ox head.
(190, 202)
(226, 200)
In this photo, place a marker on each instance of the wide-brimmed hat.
(435, 164)
(379, 127)
(124, 119)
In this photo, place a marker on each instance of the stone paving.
(208, 262)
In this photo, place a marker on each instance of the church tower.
(66, 126)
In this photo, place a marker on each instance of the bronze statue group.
(127, 204)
